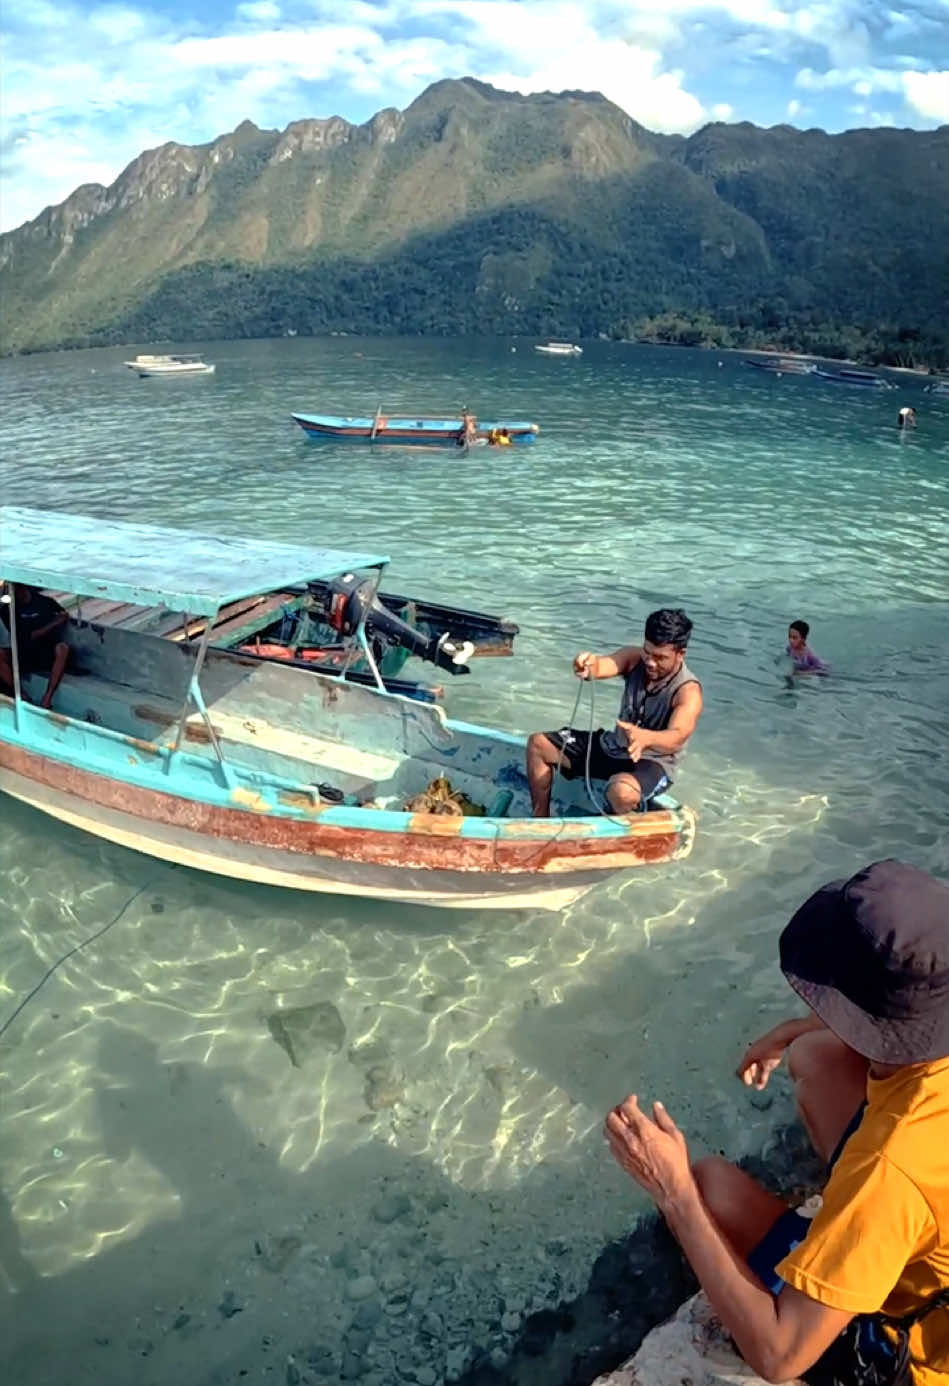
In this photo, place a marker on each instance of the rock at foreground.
(690, 1349)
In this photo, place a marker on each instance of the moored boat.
(177, 364)
(559, 349)
(780, 365)
(260, 771)
(411, 430)
(866, 380)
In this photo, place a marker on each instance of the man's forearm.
(746, 1309)
(56, 624)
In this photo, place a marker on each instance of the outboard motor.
(350, 600)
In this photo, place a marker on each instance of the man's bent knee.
(623, 793)
(818, 1053)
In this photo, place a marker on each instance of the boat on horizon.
(259, 771)
(175, 364)
(559, 349)
(412, 430)
(861, 379)
(780, 365)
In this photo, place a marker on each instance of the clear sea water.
(177, 1198)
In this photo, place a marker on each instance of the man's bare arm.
(607, 666)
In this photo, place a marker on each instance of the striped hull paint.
(542, 864)
(403, 432)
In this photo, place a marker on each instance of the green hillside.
(481, 211)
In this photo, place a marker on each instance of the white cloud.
(928, 94)
(258, 11)
(86, 89)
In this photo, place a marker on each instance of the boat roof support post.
(194, 695)
(10, 598)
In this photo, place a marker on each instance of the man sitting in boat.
(659, 711)
(468, 432)
(39, 623)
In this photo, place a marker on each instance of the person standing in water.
(659, 711)
(906, 417)
(804, 659)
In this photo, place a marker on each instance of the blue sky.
(89, 86)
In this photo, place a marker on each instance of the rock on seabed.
(690, 1347)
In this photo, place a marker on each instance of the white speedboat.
(560, 349)
(170, 365)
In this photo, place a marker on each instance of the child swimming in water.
(803, 658)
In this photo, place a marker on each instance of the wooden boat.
(780, 365)
(170, 365)
(261, 771)
(409, 430)
(301, 626)
(865, 380)
(559, 349)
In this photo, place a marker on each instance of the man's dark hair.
(668, 627)
(802, 628)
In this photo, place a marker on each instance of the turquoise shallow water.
(160, 1152)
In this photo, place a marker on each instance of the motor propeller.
(350, 600)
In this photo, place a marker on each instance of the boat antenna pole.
(363, 640)
(9, 600)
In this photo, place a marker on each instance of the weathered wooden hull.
(545, 864)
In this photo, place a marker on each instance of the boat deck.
(231, 620)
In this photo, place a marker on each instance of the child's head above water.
(798, 631)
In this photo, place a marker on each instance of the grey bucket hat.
(870, 956)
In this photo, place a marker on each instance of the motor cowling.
(351, 600)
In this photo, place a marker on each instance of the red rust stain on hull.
(317, 838)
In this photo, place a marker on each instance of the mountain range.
(476, 210)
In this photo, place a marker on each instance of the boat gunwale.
(248, 794)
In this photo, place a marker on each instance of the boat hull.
(404, 432)
(158, 372)
(855, 382)
(544, 865)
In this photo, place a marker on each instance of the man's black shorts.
(648, 774)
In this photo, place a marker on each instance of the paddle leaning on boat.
(261, 771)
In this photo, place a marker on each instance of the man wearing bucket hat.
(857, 1292)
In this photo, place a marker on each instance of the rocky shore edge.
(636, 1283)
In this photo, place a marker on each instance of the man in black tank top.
(659, 711)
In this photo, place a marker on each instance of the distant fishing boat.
(411, 430)
(260, 771)
(560, 349)
(780, 365)
(176, 364)
(867, 380)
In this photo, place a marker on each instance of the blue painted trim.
(199, 778)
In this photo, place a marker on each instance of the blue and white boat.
(261, 771)
(409, 430)
(846, 375)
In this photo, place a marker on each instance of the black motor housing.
(350, 600)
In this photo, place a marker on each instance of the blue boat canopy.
(152, 565)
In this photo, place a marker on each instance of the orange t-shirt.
(881, 1238)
